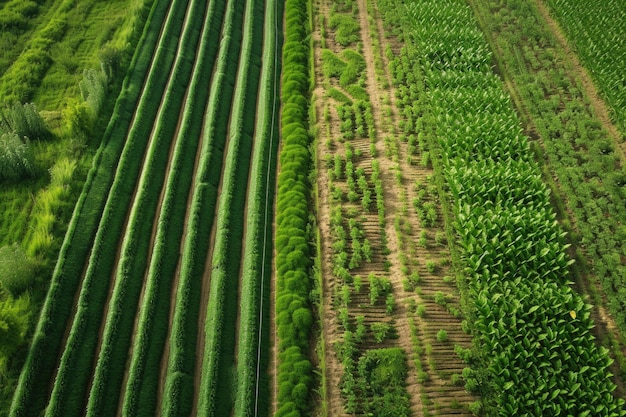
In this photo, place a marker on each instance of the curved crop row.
(72, 382)
(535, 353)
(119, 325)
(32, 391)
(179, 383)
(216, 390)
(293, 252)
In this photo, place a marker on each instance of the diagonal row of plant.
(534, 350)
(587, 166)
(32, 392)
(598, 32)
(120, 325)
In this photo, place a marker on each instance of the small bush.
(380, 331)
(442, 335)
(14, 323)
(25, 121)
(17, 270)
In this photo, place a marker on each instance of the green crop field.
(142, 312)
(312, 208)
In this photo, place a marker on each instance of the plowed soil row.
(430, 387)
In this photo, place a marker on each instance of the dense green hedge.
(293, 251)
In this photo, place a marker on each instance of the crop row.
(70, 390)
(179, 385)
(162, 203)
(32, 394)
(216, 389)
(535, 353)
(598, 32)
(253, 389)
(293, 252)
(148, 332)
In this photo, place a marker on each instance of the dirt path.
(331, 334)
(435, 393)
(391, 195)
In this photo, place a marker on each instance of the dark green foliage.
(133, 263)
(347, 29)
(382, 373)
(14, 320)
(15, 15)
(19, 82)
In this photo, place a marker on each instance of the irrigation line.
(267, 183)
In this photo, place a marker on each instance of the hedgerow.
(293, 253)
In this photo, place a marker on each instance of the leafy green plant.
(380, 331)
(442, 335)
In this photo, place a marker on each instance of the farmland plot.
(390, 304)
(191, 140)
(511, 245)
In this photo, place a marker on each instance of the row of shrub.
(292, 239)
